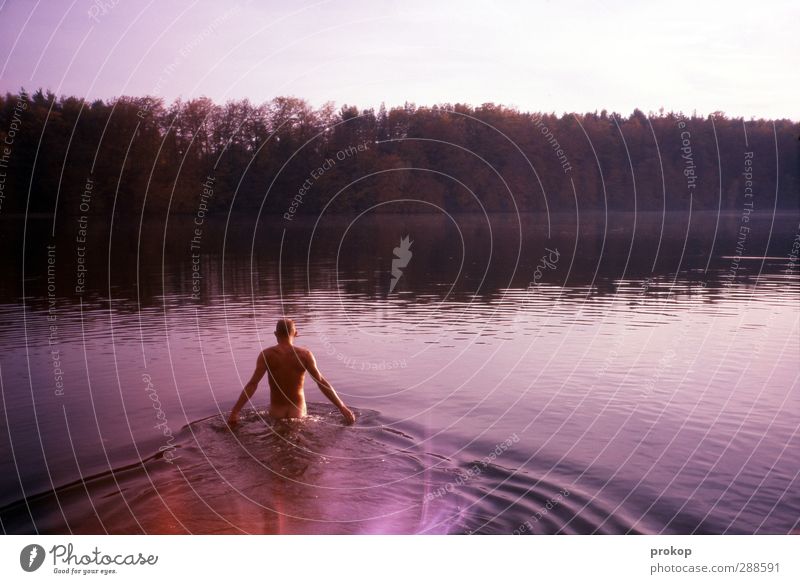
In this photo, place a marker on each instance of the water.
(593, 374)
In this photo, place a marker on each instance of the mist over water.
(524, 374)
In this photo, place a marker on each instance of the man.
(287, 364)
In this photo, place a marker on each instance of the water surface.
(591, 374)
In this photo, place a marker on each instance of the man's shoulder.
(300, 351)
(268, 351)
(304, 351)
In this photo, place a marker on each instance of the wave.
(313, 475)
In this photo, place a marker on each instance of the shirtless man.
(287, 365)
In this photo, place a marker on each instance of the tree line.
(141, 153)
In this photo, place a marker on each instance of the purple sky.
(737, 57)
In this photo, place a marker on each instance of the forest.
(134, 155)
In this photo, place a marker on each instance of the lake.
(601, 373)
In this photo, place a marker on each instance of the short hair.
(285, 327)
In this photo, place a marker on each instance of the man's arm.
(249, 389)
(326, 388)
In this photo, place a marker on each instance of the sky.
(738, 57)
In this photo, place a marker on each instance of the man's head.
(285, 330)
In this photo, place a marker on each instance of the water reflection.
(640, 378)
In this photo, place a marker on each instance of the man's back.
(286, 370)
